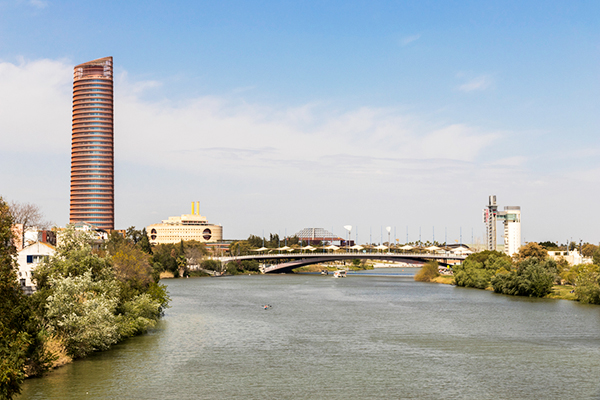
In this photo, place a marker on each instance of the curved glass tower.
(92, 179)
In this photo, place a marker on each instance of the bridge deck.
(295, 260)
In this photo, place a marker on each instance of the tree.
(588, 250)
(144, 242)
(293, 240)
(482, 256)
(29, 215)
(532, 278)
(82, 311)
(92, 300)
(20, 329)
(212, 265)
(273, 241)
(251, 265)
(596, 257)
(587, 289)
(255, 241)
(531, 250)
(133, 235)
(472, 274)
(548, 245)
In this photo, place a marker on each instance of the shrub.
(472, 274)
(232, 268)
(212, 265)
(428, 272)
(250, 265)
(81, 311)
(587, 289)
(531, 278)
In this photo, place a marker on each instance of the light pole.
(349, 229)
(389, 230)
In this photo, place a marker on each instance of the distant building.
(512, 226)
(34, 234)
(28, 259)
(512, 229)
(27, 236)
(317, 235)
(92, 166)
(18, 239)
(573, 257)
(186, 227)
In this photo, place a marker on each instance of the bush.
(82, 312)
(232, 268)
(472, 274)
(478, 268)
(588, 286)
(428, 272)
(531, 278)
(139, 314)
(212, 265)
(250, 265)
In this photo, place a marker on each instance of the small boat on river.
(339, 274)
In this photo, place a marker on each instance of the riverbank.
(559, 292)
(382, 337)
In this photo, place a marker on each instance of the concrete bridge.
(287, 262)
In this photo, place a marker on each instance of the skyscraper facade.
(92, 153)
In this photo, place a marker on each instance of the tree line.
(88, 299)
(530, 273)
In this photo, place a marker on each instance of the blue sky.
(284, 115)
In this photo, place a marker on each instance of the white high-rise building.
(512, 229)
(511, 216)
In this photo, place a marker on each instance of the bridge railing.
(445, 255)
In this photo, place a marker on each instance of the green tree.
(144, 242)
(81, 310)
(74, 257)
(472, 274)
(478, 268)
(587, 289)
(531, 250)
(482, 256)
(588, 250)
(93, 300)
(233, 267)
(212, 265)
(255, 241)
(251, 265)
(548, 245)
(532, 278)
(240, 248)
(20, 329)
(133, 235)
(273, 241)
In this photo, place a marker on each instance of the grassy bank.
(561, 292)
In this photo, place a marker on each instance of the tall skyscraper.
(92, 160)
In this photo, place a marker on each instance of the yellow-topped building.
(186, 227)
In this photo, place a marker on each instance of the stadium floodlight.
(349, 229)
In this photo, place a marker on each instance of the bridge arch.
(285, 263)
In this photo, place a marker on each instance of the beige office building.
(186, 227)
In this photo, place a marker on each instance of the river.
(376, 336)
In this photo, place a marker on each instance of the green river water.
(374, 336)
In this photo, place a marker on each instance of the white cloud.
(38, 3)
(250, 164)
(409, 39)
(482, 82)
